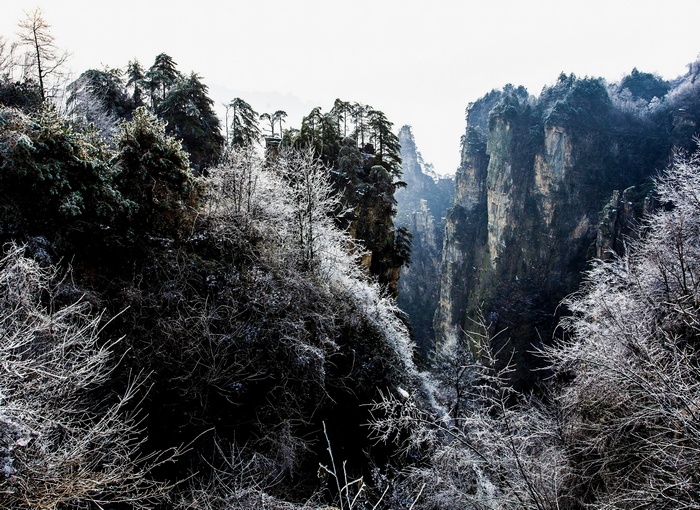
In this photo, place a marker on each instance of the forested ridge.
(201, 313)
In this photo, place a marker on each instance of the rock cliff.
(421, 208)
(534, 177)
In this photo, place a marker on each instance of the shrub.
(65, 440)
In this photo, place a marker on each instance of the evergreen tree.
(152, 175)
(191, 118)
(387, 146)
(340, 111)
(137, 81)
(279, 116)
(244, 124)
(358, 112)
(160, 77)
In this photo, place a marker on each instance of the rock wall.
(534, 177)
(421, 207)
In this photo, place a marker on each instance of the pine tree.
(244, 124)
(191, 118)
(137, 80)
(387, 146)
(160, 77)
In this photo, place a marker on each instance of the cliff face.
(535, 174)
(421, 207)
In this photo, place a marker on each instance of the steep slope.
(535, 173)
(421, 207)
(235, 297)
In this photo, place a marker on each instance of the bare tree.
(483, 446)
(312, 200)
(7, 59)
(43, 60)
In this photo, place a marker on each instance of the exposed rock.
(534, 175)
(620, 220)
(421, 207)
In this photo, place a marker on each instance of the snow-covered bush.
(631, 412)
(64, 440)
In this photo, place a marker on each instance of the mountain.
(421, 208)
(535, 174)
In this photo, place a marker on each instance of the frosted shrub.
(631, 413)
(291, 204)
(484, 446)
(61, 445)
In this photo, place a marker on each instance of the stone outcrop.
(421, 207)
(534, 176)
(621, 220)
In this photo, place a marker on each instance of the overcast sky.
(420, 61)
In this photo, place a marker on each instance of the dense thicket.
(236, 296)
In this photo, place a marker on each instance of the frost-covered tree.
(99, 98)
(312, 200)
(43, 59)
(53, 173)
(631, 412)
(469, 440)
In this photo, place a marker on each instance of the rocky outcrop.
(534, 176)
(421, 208)
(621, 220)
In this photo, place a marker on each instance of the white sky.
(419, 61)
